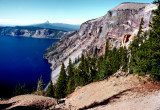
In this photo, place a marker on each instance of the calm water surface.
(21, 61)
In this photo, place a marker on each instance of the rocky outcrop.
(33, 32)
(123, 19)
(127, 38)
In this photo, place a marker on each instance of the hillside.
(123, 19)
(36, 32)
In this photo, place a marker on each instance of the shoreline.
(32, 37)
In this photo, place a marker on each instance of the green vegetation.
(50, 90)
(145, 56)
(20, 89)
(91, 68)
(71, 82)
(61, 83)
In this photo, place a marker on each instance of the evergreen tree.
(140, 30)
(50, 90)
(137, 39)
(76, 77)
(115, 60)
(106, 66)
(106, 49)
(135, 52)
(82, 72)
(20, 89)
(93, 68)
(123, 57)
(71, 82)
(70, 69)
(100, 67)
(61, 83)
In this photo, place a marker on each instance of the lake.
(21, 61)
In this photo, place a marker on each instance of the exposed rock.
(124, 19)
(120, 73)
(33, 32)
(127, 38)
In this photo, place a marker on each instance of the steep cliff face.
(123, 19)
(33, 32)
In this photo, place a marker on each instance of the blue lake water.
(21, 61)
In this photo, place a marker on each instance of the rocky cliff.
(123, 19)
(27, 31)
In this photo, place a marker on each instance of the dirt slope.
(114, 90)
(148, 102)
(28, 102)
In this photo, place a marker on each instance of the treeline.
(90, 68)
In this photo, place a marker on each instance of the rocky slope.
(35, 32)
(123, 19)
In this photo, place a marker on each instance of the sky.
(25, 12)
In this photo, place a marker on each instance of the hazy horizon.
(22, 12)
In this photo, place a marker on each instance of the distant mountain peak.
(57, 26)
(47, 22)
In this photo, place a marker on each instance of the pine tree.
(138, 38)
(20, 89)
(140, 29)
(70, 69)
(93, 68)
(61, 83)
(82, 72)
(106, 66)
(71, 81)
(106, 49)
(136, 66)
(50, 90)
(100, 67)
(124, 59)
(115, 60)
